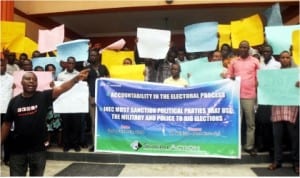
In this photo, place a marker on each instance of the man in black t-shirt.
(28, 112)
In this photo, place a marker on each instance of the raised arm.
(58, 90)
(230, 71)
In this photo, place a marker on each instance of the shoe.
(274, 166)
(77, 148)
(66, 149)
(47, 144)
(91, 149)
(262, 149)
(252, 152)
(6, 163)
(84, 146)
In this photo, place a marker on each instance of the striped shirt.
(284, 113)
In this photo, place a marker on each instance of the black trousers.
(19, 164)
(71, 125)
(263, 131)
(6, 143)
(293, 132)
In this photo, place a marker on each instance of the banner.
(155, 119)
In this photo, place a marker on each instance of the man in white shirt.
(69, 72)
(11, 67)
(72, 122)
(181, 56)
(6, 93)
(263, 122)
(6, 89)
(267, 61)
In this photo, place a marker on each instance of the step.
(55, 153)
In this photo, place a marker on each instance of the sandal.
(274, 166)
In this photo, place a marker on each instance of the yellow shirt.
(178, 82)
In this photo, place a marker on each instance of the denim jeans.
(19, 164)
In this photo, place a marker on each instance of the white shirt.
(272, 64)
(6, 91)
(179, 61)
(178, 82)
(10, 69)
(65, 75)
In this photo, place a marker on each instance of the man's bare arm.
(5, 130)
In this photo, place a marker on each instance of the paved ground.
(53, 167)
(182, 168)
(174, 170)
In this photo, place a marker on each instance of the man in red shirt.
(246, 66)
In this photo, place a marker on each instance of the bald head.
(29, 74)
(29, 83)
(244, 49)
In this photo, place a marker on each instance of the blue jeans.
(19, 164)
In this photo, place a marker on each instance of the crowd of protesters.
(264, 128)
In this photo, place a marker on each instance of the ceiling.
(125, 22)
